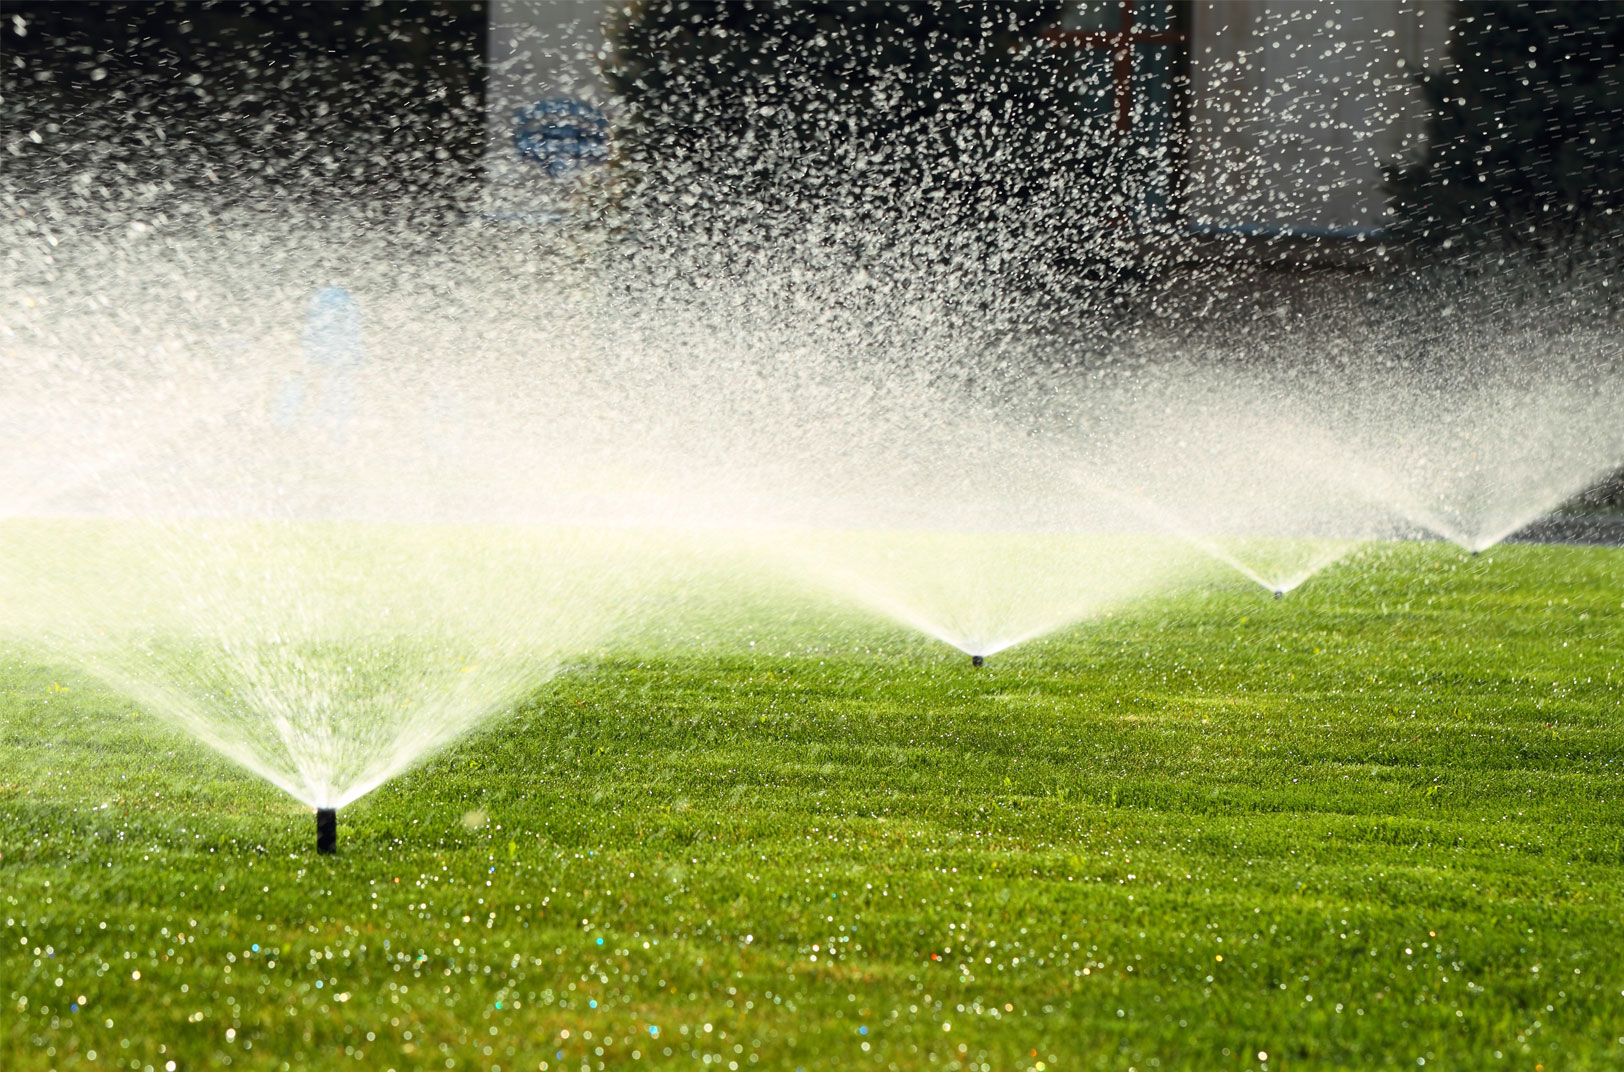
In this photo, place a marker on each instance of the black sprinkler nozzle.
(977, 660)
(1279, 593)
(326, 831)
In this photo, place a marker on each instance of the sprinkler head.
(1476, 553)
(1279, 593)
(326, 831)
(977, 660)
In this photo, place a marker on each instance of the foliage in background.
(1524, 145)
(1525, 154)
(952, 129)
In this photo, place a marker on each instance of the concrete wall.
(1296, 105)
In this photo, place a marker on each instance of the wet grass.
(1374, 825)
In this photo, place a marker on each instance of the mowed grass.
(1378, 824)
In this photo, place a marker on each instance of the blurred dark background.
(1526, 136)
(886, 111)
(259, 101)
(340, 99)
(880, 118)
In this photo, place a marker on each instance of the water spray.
(326, 831)
(977, 660)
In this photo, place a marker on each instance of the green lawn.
(1376, 824)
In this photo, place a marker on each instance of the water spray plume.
(982, 386)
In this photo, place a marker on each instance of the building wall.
(1297, 105)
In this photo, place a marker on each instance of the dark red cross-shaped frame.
(1121, 42)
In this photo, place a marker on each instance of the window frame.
(1122, 43)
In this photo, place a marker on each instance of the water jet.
(979, 588)
(327, 831)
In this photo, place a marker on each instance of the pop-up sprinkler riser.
(326, 831)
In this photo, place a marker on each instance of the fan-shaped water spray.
(1480, 461)
(326, 657)
(327, 486)
(301, 579)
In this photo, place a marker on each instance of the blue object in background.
(332, 330)
(332, 346)
(561, 134)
